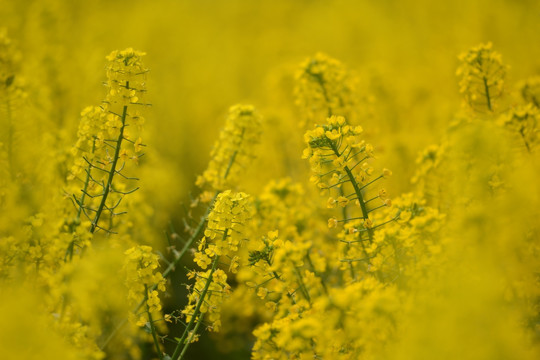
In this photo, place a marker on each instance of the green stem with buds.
(183, 345)
(488, 97)
(152, 327)
(112, 171)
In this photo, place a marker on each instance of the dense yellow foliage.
(371, 191)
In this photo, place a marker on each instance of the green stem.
(182, 347)
(69, 251)
(196, 235)
(183, 251)
(353, 183)
(522, 133)
(230, 164)
(174, 263)
(170, 268)
(111, 172)
(349, 173)
(233, 157)
(486, 88)
(86, 182)
(360, 197)
(152, 327)
(319, 79)
(190, 338)
(200, 226)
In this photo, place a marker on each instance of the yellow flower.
(202, 260)
(272, 235)
(482, 76)
(332, 135)
(324, 86)
(233, 152)
(368, 224)
(331, 203)
(262, 292)
(342, 201)
(137, 146)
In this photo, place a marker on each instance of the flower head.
(482, 76)
(233, 152)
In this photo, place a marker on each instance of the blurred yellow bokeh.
(446, 91)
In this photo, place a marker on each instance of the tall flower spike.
(126, 80)
(482, 76)
(222, 238)
(108, 142)
(226, 221)
(143, 280)
(323, 88)
(233, 152)
(524, 121)
(339, 162)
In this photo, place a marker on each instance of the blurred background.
(207, 55)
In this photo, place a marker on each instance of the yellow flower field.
(304, 179)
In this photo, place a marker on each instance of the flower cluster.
(430, 171)
(282, 205)
(404, 246)
(91, 135)
(142, 279)
(214, 296)
(323, 88)
(233, 152)
(329, 328)
(482, 74)
(109, 140)
(282, 276)
(224, 232)
(278, 270)
(316, 306)
(339, 162)
(525, 122)
(125, 74)
(530, 91)
(222, 239)
(350, 274)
